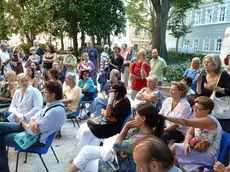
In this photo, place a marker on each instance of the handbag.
(102, 79)
(200, 144)
(221, 108)
(108, 154)
(24, 140)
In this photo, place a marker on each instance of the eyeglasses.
(197, 108)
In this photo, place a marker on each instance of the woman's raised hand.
(131, 124)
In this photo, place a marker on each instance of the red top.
(135, 68)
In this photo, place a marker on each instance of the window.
(136, 32)
(198, 17)
(145, 33)
(196, 44)
(209, 15)
(218, 44)
(206, 44)
(222, 13)
(188, 18)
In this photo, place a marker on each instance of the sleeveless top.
(213, 136)
(47, 65)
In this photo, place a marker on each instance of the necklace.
(211, 79)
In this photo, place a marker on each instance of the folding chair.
(126, 120)
(75, 114)
(38, 150)
(90, 101)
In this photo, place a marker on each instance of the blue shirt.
(54, 118)
(92, 55)
(192, 73)
(175, 169)
(89, 81)
(108, 85)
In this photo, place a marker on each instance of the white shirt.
(181, 110)
(4, 56)
(28, 104)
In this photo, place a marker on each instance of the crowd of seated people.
(187, 112)
(146, 118)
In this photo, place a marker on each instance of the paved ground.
(66, 149)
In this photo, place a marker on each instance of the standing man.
(139, 71)
(4, 59)
(127, 61)
(39, 52)
(104, 66)
(158, 66)
(193, 71)
(93, 58)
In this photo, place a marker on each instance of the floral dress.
(127, 145)
(194, 159)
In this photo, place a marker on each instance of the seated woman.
(27, 100)
(54, 75)
(30, 72)
(202, 141)
(146, 119)
(149, 94)
(101, 101)
(175, 105)
(7, 90)
(71, 94)
(44, 122)
(87, 86)
(117, 110)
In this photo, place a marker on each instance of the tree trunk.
(109, 41)
(75, 42)
(161, 25)
(153, 40)
(98, 40)
(62, 41)
(82, 38)
(177, 42)
(93, 40)
(105, 39)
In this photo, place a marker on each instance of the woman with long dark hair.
(49, 57)
(146, 123)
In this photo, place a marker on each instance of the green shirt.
(72, 60)
(157, 67)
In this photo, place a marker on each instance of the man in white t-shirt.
(4, 57)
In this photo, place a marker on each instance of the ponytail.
(159, 128)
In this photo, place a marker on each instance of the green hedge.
(176, 71)
(26, 47)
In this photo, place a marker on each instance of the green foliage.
(176, 71)
(177, 25)
(43, 46)
(28, 17)
(25, 47)
(3, 25)
(144, 18)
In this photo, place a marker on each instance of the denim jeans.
(7, 132)
(97, 105)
